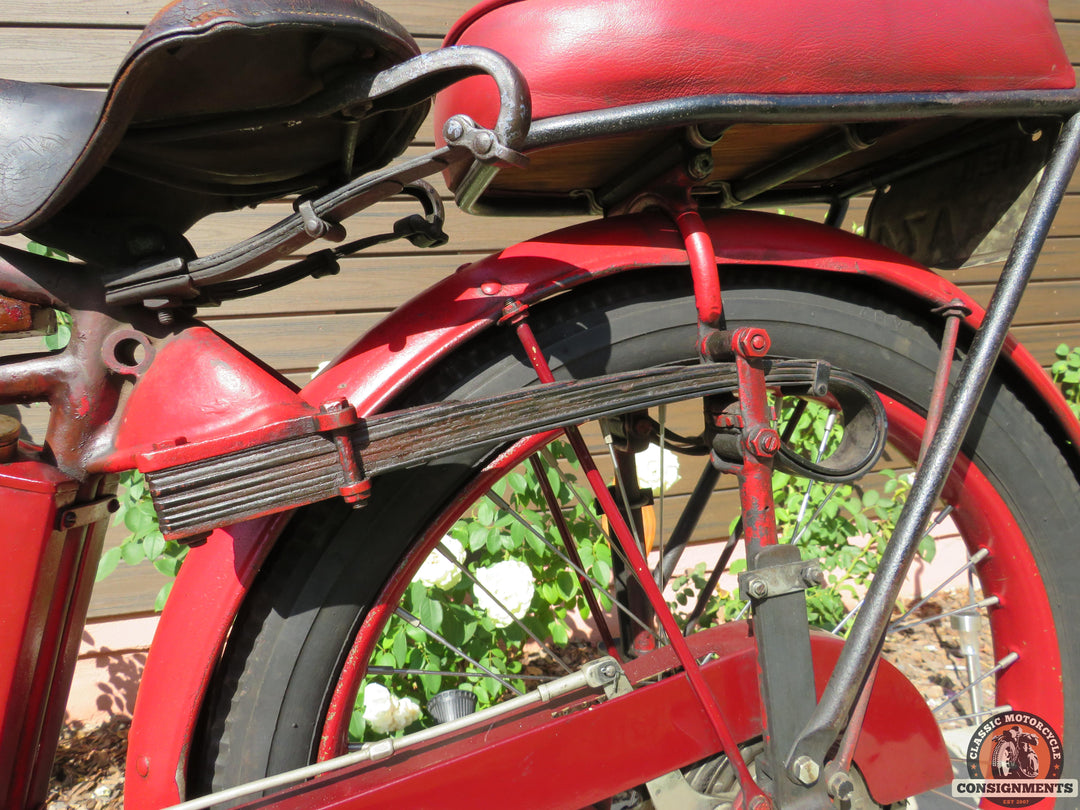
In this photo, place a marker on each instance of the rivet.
(491, 288)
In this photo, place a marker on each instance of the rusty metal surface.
(193, 496)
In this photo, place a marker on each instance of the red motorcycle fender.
(416, 337)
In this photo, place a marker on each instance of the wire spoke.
(477, 583)
(976, 716)
(550, 460)
(404, 615)
(976, 557)
(502, 504)
(802, 530)
(990, 600)
(1008, 660)
(448, 674)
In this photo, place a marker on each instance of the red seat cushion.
(581, 55)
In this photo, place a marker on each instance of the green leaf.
(928, 548)
(108, 562)
(169, 566)
(558, 632)
(162, 596)
(400, 649)
(567, 584)
(431, 614)
(132, 553)
(154, 544)
(357, 726)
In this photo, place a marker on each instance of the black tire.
(271, 689)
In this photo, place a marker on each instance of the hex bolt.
(840, 786)
(700, 166)
(805, 771)
(763, 442)
(751, 342)
(813, 575)
(757, 588)
(453, 130)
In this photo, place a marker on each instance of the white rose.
(512, 584)
(437, 571)
(386, 713)
(648, 468)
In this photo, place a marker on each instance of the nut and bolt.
(805, 771)
(813, 575)
(453, 130)
(763, 442)
(700, 166)
(840, 786)
(757, 588)
(751, 342)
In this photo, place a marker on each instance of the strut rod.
(864, 642)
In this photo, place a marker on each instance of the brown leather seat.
(215, 106)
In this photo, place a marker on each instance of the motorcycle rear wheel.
(286, 659)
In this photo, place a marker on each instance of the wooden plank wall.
(79, 42)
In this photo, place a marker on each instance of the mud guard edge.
(414, 338)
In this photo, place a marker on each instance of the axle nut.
(805, 771)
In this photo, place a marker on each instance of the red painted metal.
(580, 55)
(230, 401)
(413, 339)
(416, 337)
(624, 743)
(760, 441)
(702, 257)
(45, 586)
(193, 627)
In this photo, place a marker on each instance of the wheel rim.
(1008, 572)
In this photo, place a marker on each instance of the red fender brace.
(372, 371)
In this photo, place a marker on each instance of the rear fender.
(415, 338)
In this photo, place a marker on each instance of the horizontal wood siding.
(79, 43)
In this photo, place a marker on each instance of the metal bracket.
(460, 130)
(672, 792)
(83, 514)
(777, 580)
(318, 227)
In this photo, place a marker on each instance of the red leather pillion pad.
(581, 55)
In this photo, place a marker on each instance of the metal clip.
(317, 227)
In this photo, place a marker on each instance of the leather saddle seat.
(581, 56)
(215, 106)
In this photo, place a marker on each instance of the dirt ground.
(89, 767)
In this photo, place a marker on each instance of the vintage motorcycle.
(674, 319)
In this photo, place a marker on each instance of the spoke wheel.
(338, 592)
